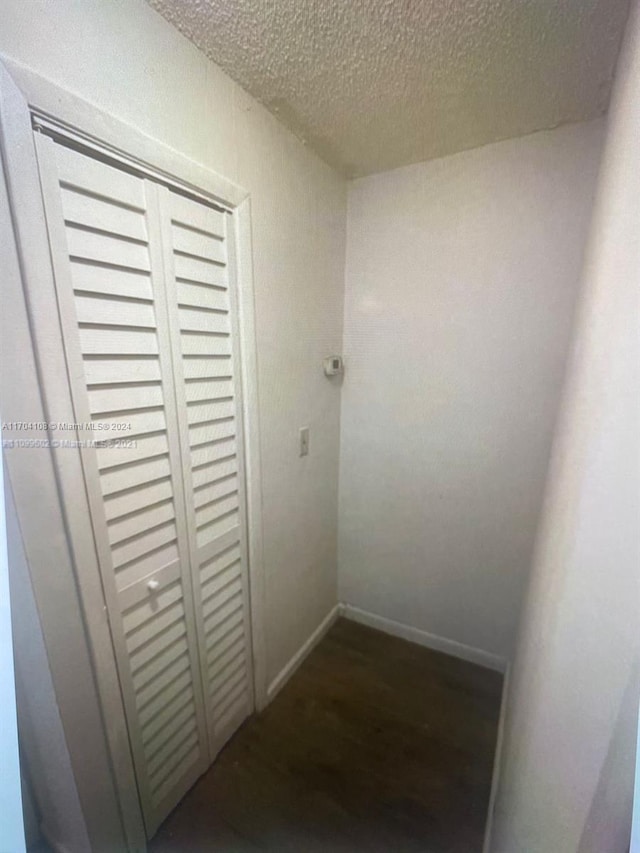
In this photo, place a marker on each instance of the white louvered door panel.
(203, 318)
(105, 235)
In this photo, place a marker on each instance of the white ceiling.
(375, 84)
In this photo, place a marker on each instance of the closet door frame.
(29, 101)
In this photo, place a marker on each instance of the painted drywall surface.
(125, 58)
(378, 84)
(460, 288)
(12, 829)
(567, 770)
(42, 737)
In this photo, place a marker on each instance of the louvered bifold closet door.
(203, 316)
(105, 236)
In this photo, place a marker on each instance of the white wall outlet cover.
(304, 441)
(333, 365)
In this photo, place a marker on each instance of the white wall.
(567, 771)
(460, 288)
(42, 737)
(11, 799)
(130, 62)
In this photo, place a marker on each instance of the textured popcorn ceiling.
(374, 84)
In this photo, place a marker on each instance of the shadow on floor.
(375, 744)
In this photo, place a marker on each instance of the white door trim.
(29, 97)
(62, 109)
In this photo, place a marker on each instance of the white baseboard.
(424, 638)
(497, 763)
(389, 626)
(287, 671)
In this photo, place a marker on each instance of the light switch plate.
(304, 441)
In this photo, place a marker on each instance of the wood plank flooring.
(375, 744)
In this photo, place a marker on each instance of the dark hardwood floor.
(375, 744)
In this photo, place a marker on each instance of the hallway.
(375, 744)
